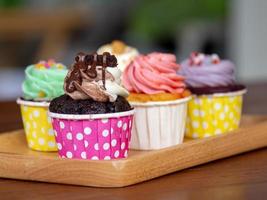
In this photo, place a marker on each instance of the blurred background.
(31, 30)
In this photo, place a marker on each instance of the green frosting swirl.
(43, 83)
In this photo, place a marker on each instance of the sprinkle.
(118, 47)
(40, 66)
(194, 54)
(196, 58)
(60, 66)
(49, 64)
(201, 56)
(41, 94)
(215, 59)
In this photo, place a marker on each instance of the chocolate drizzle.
(87, 64)
(91, 72)
(103, 69)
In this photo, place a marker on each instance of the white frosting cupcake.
(124, 54)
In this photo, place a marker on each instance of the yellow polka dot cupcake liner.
(37, 125)
(216, 114)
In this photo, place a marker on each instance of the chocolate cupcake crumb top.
(66, 105)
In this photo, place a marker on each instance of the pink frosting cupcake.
(160, 99)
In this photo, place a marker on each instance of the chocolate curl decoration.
(91, 72)
(104, 69)
(87, 64)
(75, 75)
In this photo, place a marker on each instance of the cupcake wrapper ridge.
(93, 139)
(159, 125)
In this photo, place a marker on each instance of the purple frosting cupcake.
(216, 105)
(208, 74)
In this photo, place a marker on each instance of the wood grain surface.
(18, 162)
(239, 177)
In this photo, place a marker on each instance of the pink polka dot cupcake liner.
(93, 137)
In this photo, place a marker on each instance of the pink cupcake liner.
(94, 137)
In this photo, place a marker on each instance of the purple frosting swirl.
(207, 73)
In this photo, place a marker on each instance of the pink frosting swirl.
(153, 73)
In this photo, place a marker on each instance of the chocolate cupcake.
(217, 102)
(92, 120)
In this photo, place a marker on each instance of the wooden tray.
(18, 162)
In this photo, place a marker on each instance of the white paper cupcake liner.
(158, 124)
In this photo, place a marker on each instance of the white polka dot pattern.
(41, 141)
(69, 154)
(59, 146)
(69, 136)
(79, 136)
(105, 133)
(99, 139)
(209, 116)
(86, 143)
(87, 130)
(38, 128)
(116, 154)
(96, 146)
(113, 142)
(106, 146)
(62, 125)
(83, 155)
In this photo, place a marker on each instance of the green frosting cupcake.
(44, 81)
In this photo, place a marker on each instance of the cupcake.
(92, 120)
(43, 82)
(160, 99)
(124, 54)
(217, 102)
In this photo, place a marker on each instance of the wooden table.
(239, 177)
